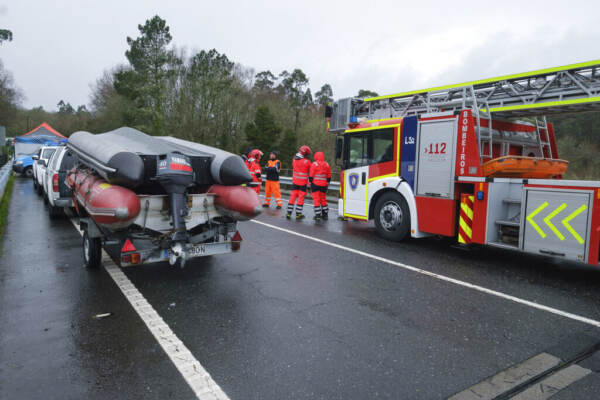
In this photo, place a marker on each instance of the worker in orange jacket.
(301, 169)
(253, 164)
(272, 170)
(320, 176)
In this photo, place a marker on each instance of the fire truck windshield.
(369, 147)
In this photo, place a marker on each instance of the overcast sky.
(60, 47)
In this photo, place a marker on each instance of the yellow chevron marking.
(552, 215)
(566, 221)
(460, 239)
(465, 228)
(467, 210)
(532, 222)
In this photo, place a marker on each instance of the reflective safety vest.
(301, 169)
(254, 169)
(272, 170)
(320, 172)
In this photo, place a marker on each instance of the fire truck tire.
(392, 217)
(92, 251)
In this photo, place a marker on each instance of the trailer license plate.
(197, 250)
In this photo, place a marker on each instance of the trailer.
(475, 161)
(147, 199)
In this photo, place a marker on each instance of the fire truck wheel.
(392, 217)
(92, 251)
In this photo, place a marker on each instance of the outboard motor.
(174, 172)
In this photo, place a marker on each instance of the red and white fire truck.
(476, 161)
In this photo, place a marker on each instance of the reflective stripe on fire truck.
(465, 224)
(548, 221)
(490, 80)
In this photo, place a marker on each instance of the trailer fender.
(406, 191)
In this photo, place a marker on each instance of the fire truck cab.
(472, 161)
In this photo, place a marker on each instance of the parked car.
(23, 166)
(56, 191)
(40, 163)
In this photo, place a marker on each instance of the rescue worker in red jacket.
(272, 187)
(301, 169)
(253, 164)
(320, 176)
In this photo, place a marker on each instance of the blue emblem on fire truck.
(353, 180)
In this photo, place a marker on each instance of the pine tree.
(288, 147)
(263, 133)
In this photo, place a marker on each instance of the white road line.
(478, 288)
(192, 371)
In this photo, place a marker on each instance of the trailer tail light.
(236, 241)
(55, 183)
(135, 258)
(126, 258)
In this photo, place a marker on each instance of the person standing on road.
(245, 156)
(301, 169)
(254, 168)
(272, 170)
(320, 176)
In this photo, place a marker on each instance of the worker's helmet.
(256, 154)
(305, 150)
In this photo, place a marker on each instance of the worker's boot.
(288, 215)
(278, 207)
(317, 217)
(325, 216)
(265, 205)
(300, 216)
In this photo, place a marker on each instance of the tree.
(264, 81)
(207, 90)
(293, 88)
(151, 65)
(288, 147)
(325, 95)
(65, 108)
(366, 93)
(10, 98)
(263, 132)
(5, 35)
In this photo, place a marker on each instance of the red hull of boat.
(238, 202)
(110, 206)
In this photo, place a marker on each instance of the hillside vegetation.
(209, 98)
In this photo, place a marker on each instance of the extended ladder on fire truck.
(571, 88)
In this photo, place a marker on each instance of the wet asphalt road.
(286, 318)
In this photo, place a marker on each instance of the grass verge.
(5, 203)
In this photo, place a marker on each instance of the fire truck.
(476, 161)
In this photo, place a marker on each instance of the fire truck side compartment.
(557, 222)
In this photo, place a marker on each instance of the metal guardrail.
(288, 172)
(287, 180)
(5, 172)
